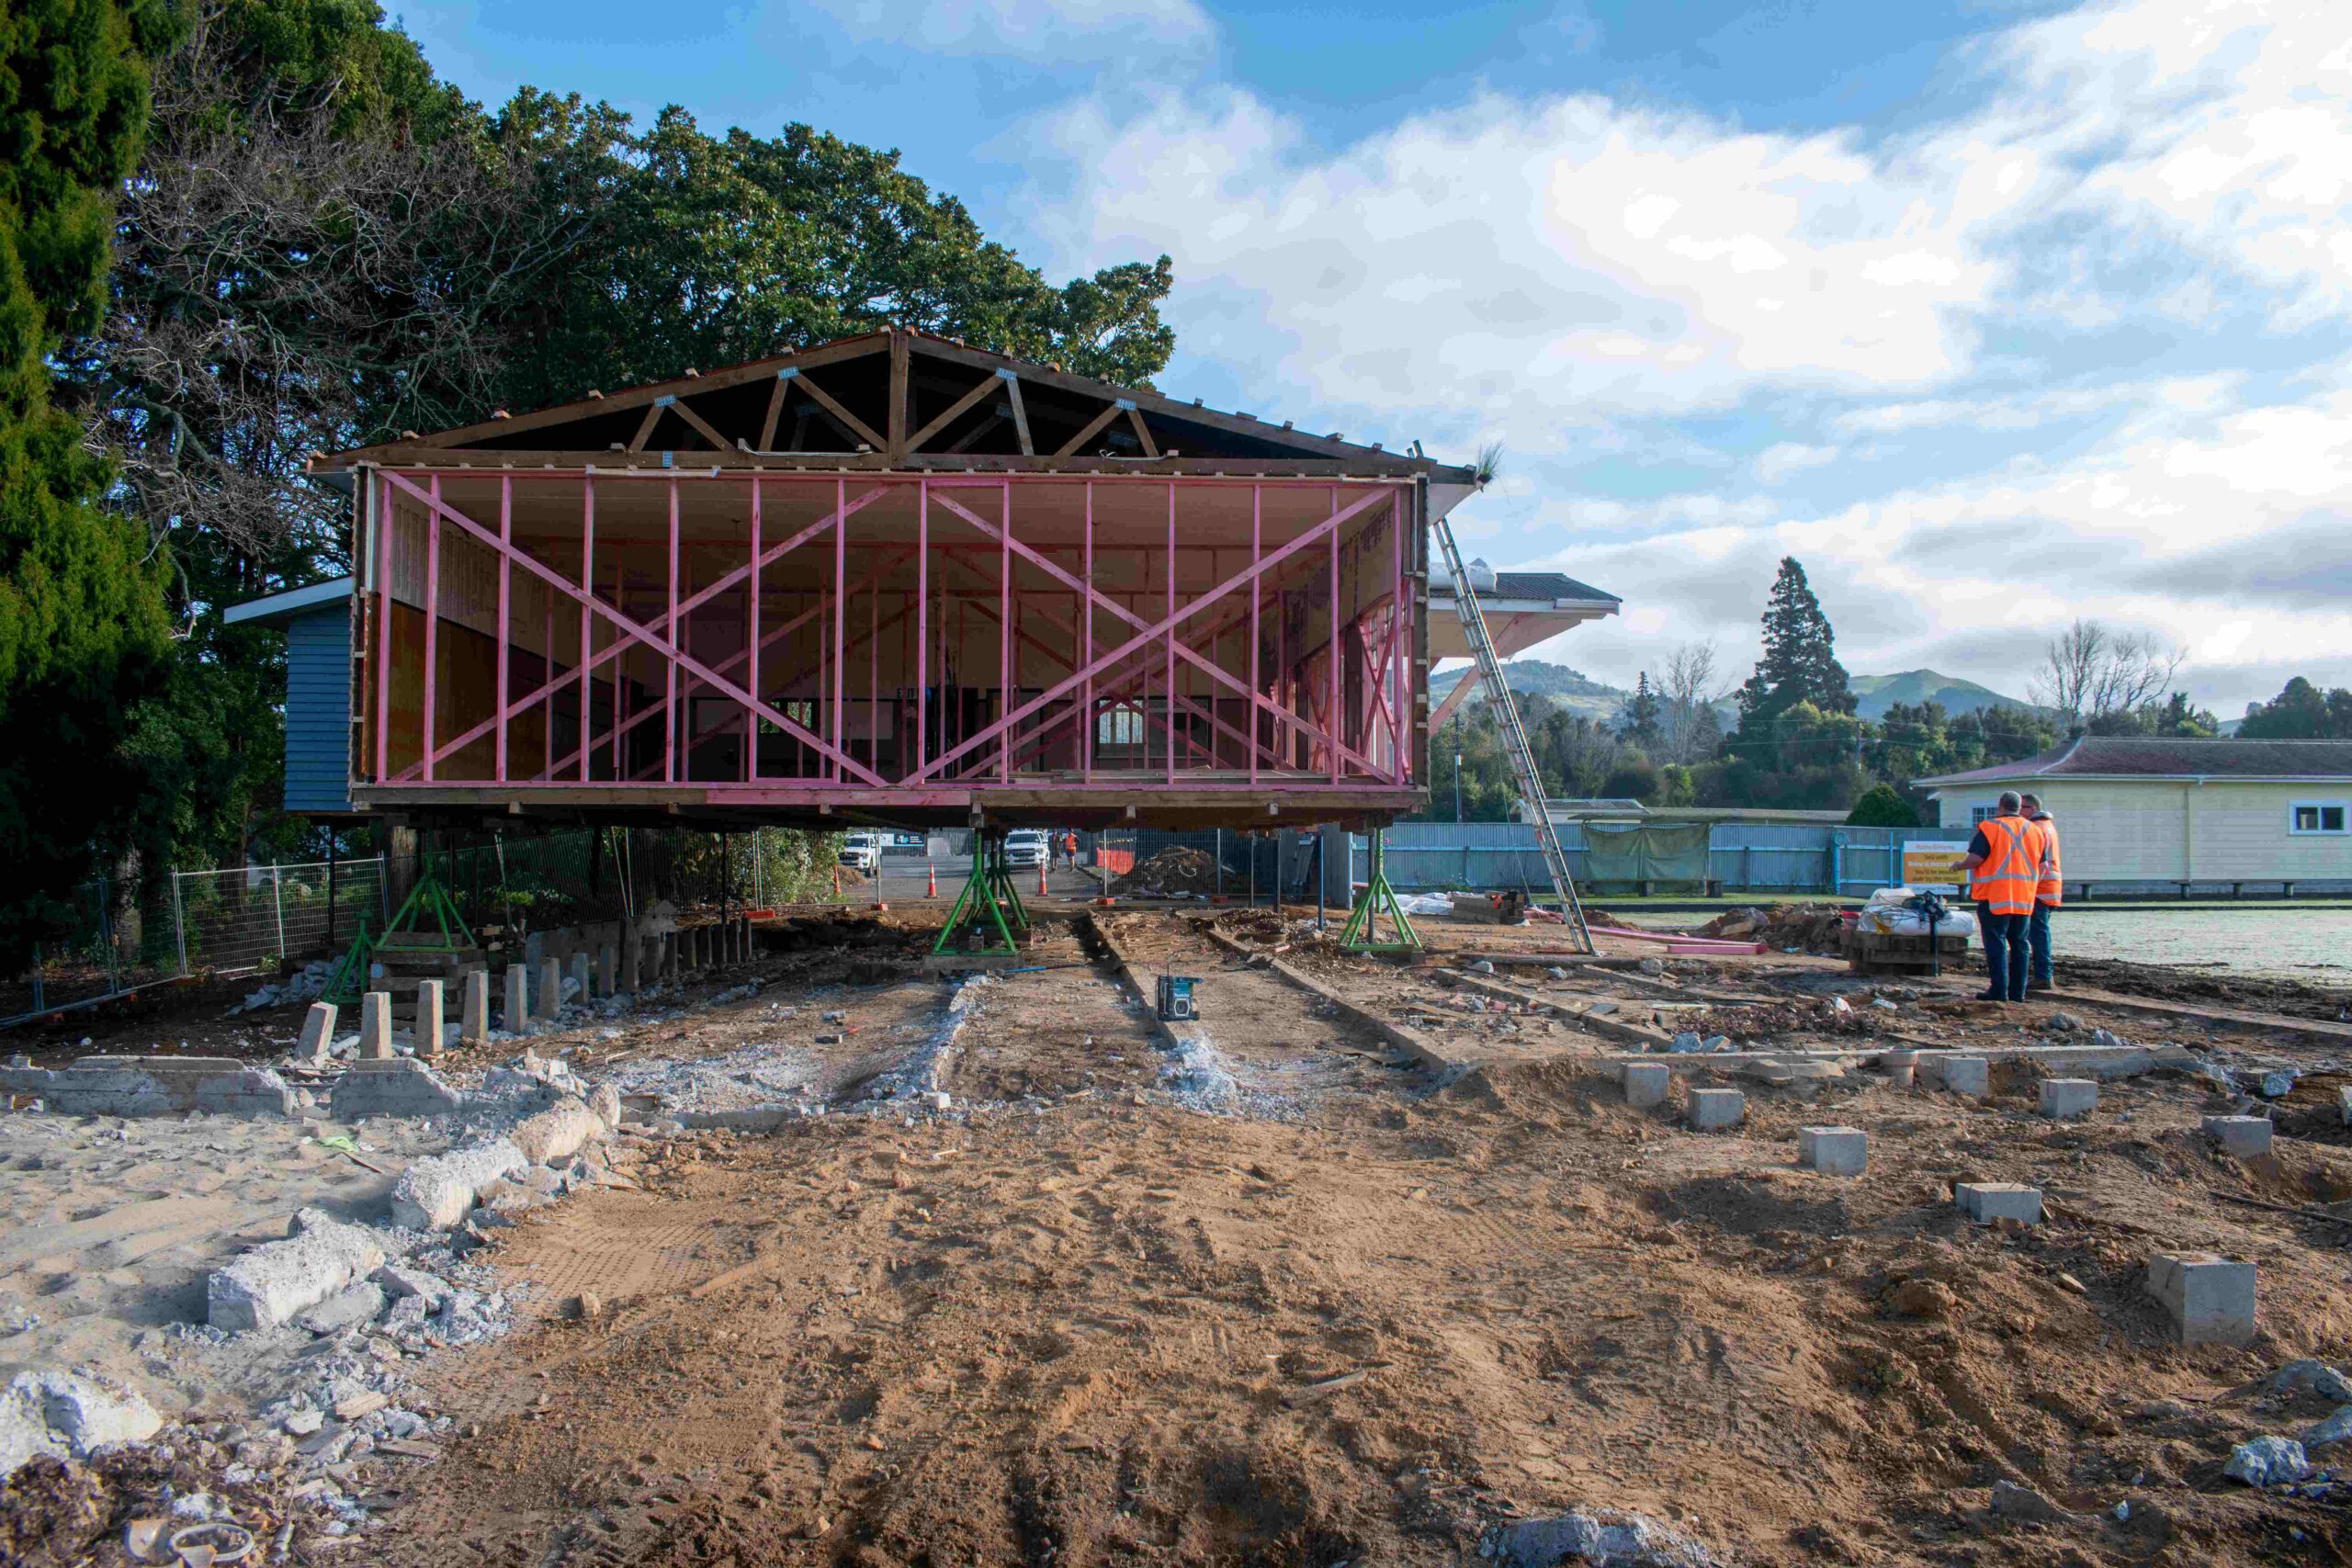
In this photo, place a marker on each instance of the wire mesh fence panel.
(321, 907)
(248, 917)
(118, 936)
(538, 881)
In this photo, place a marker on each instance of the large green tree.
(83, 630)
(326, 244)
(2299, 712)
(1800, 662)
(710, 250)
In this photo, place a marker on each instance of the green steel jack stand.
(989, 909)
(428, 900)
(1361, 933)
(350, 976)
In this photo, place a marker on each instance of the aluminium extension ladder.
(1523, 756)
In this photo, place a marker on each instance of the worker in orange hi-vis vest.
(2003, 866)
(2049, 892)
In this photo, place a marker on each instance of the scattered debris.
(2268, 1461)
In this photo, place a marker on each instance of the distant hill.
(1580, 692)
(1876, 694)
(1570, 689)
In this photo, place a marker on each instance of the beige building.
(2143, 813)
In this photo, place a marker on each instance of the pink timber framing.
(1053, 648)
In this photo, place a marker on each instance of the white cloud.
(2218, 124)
(1779, 461)
(1043, 31)
(1562, 261)
(1580, 276)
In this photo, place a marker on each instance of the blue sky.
(1994, 313)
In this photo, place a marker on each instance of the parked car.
(1025, 847)
(862, 851)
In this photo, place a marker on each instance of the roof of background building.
(1544, 585)
(277, 609)
(2125, 757)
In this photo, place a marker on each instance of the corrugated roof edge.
(275, 609)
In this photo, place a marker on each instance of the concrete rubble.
(436, 1193)
(2268, 1461)
(69, 1413)
(278, 1280)
(1601, 1541)
(152, 1086)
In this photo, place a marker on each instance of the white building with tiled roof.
(2134, 812)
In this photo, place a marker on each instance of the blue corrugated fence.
(1763, 857)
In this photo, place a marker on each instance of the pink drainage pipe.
(1680, 943)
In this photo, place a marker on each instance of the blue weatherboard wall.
(318, 709)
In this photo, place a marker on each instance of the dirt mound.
(1174, 872)
(1808, 928)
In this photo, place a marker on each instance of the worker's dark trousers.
(2037, 938)
(2008, 953)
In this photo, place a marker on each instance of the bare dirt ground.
(1368, 1310)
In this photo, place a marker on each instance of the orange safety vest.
(2051, 889)
(2005, 883)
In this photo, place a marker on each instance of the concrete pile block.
(557, 1132)
(1901, 1067)
(2064, 1098)
(632, 959)
(550, 997)
(473, 1013)
(69, 1414)
(375, 1026)
(607, 970)
(1833, 1151)
(1970, 1076)
(2245, 1137)
(580, 977)
(279, 1280)
(2209, 1298)
(153, 1086)
(430, 1014)
(318, 1034)
(1712, 1110)
(518, 1014)
(401, 1087)
(1647, 1084)
(1987, 1202)
(435, 1193)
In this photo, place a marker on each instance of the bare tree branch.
(2089, 673)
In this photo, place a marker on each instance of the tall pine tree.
(1800, 662)
(1639, 721)
(84, 631)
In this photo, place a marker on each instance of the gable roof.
(895, 399)
(2125, 757)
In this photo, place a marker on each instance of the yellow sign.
(1934, 865)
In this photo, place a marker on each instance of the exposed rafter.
(866, 397)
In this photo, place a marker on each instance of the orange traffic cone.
(837, 881)
(932, 867)
(1041, 879)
